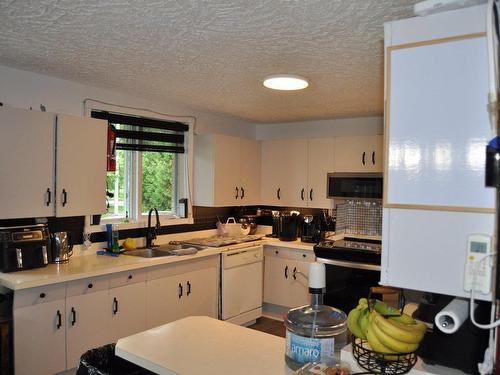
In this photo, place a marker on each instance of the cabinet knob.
(90, 286)
(130, 277)
(276, 252)
(304, 255)
(42, 295)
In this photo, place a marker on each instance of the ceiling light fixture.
(287, 82)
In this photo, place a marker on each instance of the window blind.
(145, 134)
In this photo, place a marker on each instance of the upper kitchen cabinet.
(80, 166)
(294, 172)
(320, 162)
(359, 154)
(227, 171)
(27, 168)
(34, 165)
(436, 130)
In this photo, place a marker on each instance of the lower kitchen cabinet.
(285, 276)
(40, 338)
(88, 320)
(174, 297)
(127, 308)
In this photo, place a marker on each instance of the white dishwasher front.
(242, 278)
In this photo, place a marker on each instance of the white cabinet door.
(272, 159)
(359, 154)
(294, 181)
(87, 324)
(298, 292)
(127, 306)
(227, 170)
(27, 167)
(39, 339)
(200, 293)
(163, 300)
(81, 166)
(275, 283)
(320, 163)
(249, 172)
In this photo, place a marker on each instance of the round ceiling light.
(287, 82)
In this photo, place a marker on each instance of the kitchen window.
(152, 169)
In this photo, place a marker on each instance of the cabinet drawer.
(33, 296)
(86, 286)
(129, 277)
(292, 254)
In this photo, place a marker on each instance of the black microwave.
(355, 185)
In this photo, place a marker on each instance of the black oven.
(352, 268)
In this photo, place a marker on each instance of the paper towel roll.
(449, 319)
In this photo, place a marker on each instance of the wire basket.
(380, 363)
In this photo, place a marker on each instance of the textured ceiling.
(211, 55)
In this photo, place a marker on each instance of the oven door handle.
(347, 264)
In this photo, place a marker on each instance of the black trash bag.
(103, 361)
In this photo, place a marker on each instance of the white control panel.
(478, 263)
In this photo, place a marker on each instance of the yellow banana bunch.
(358, 318)
(397, 336)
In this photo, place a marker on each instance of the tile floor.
(271, 326)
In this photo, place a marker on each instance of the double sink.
(164, 250)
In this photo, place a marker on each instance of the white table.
(202, 345)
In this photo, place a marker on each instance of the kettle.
(61, 247)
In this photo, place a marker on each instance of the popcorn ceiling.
(211, 55)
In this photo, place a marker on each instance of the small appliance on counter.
(311, 228)
(276, 224)
(24, 247)
(62, 247)
(289, 225)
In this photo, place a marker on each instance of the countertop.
(202, 345)
(80, 267)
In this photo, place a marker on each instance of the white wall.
(321, 128)
(26, 89)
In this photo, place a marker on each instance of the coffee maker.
(311, 228)
(24, 247)
(289, 225)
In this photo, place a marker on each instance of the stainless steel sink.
(160, 250)
(148, 253)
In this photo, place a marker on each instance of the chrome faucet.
(151, 232)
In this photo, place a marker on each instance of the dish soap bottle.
(315, 333)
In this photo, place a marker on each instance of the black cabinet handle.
(373, 157)
(302, 194)
(115, 305)
(242, 193)
(59, 319)
(49, 197)
(304, 255)
(73, 316)
(42, 295)
(90, 286)
(286, 272)
(189, 288)
(180, 290)
(65, 197)
(311, 194)
(276, 252)
(130, 277)
(363, 158)
(278, 193)
(237, 192)
(294, 273)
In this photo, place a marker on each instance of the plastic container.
(315, 333)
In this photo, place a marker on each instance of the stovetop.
(350, 249)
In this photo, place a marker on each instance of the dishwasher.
(241, 284)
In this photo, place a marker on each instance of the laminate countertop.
(91, 265)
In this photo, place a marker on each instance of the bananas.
(352, 322)
(392, 335)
